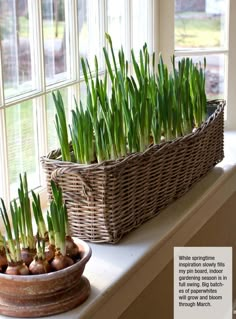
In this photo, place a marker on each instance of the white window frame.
(231, 76)
(39, 95)
(162, 37)
(166, 46)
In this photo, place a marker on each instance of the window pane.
(17, 47)
(83, 93)
(200, 23)
(215, 74)
(56, 49)
(22, 145)
(51, 110)
(117, 29)
(141, 22)
(90, 38)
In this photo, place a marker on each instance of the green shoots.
(18, 254)
(51, 236)
(125, 112)
(25, 218)
(40, 249)
(61, 126)
(81, 132)
(1, 242)
(58, 218)
(38, 215)
(13, 252)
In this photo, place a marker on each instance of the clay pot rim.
(86, 254)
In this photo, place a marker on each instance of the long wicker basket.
(107, 200)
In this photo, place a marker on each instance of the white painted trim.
(1, 79)
(156, 27)
(166, 30)
(200, 52)
(76, 55)
(39, 101)
(150, 11)
(231, 91)
(229, 51)
(38, 95)
(4, 187)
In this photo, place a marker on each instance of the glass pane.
(22, 145)
(200, 23)
(141, 22)
(83, 93)
(117, 29)
(2, 180)
(90, 38)
(56, 50)
(51, 110)
(16, 46)
(215, 74)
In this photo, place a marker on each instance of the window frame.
(38, 96)
(162, 38)
(231, 74)
(166, 46)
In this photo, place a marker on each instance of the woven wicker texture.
(107, 200)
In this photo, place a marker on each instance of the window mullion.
(132, 4)
(1, 81)
(72, 16)
(4, 183)
(128, 22)
(203, 52)
(75, 30)
(40, 122)
(150, 25)
(40, 118)
(166, 31)
(104, 20)
(231, 92)
(72, 40)
(156, 28)
(36, 24)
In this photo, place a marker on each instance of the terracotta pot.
(47, 294)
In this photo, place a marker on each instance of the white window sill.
(119, 273)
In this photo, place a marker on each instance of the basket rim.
(220, 103)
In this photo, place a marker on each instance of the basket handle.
(87, 190)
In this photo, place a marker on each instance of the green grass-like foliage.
(18, 233)
(58, 216)
(127, 111)
(61, 126)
